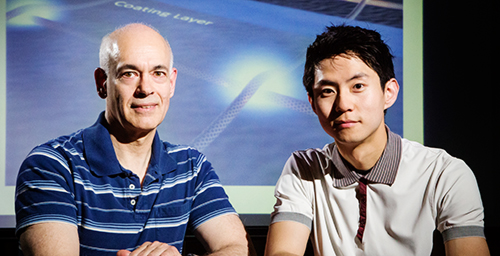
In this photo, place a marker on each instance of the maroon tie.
(362, 207)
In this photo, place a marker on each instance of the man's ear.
(391, 92)
(173, 79)
(100, 82)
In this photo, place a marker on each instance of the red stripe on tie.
(362, 208)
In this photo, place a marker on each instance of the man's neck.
(364, 156)
(134, 155)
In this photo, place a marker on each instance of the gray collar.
(384, 171)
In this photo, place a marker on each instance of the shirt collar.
(101, 157)
(384, 171)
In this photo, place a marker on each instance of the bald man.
(115, 188)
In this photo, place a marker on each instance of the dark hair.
(365, 44)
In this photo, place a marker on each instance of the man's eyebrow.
(160, 67)
(134, 67)
(126, 66)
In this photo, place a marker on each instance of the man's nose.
(145, 86)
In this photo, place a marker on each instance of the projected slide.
(239, 97)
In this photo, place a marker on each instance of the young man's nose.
(343, 102)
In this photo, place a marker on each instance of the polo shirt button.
(132, 186)
(132, 202)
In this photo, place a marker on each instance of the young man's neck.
(363, 156)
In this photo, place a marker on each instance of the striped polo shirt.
(411, 191)
(77, 179)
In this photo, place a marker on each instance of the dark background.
(460, 111)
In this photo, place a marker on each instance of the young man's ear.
(311, 101)
(391, 92)
(100, 82)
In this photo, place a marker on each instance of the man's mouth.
(143, 106)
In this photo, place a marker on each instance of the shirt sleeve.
(459, 206)
(210, 199)
(43, 193)
(294, 197)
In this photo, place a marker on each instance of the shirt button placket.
(133, 202)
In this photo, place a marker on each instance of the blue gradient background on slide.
(239, 96)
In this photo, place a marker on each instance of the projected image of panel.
(239, 97)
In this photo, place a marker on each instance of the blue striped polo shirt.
(77, 179)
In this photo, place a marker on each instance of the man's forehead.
(134, 53)
(137, 45)
(138, 36)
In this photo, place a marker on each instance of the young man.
(115, 187)
(370, 192)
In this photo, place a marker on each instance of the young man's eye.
(327, 91)
(358, 86)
